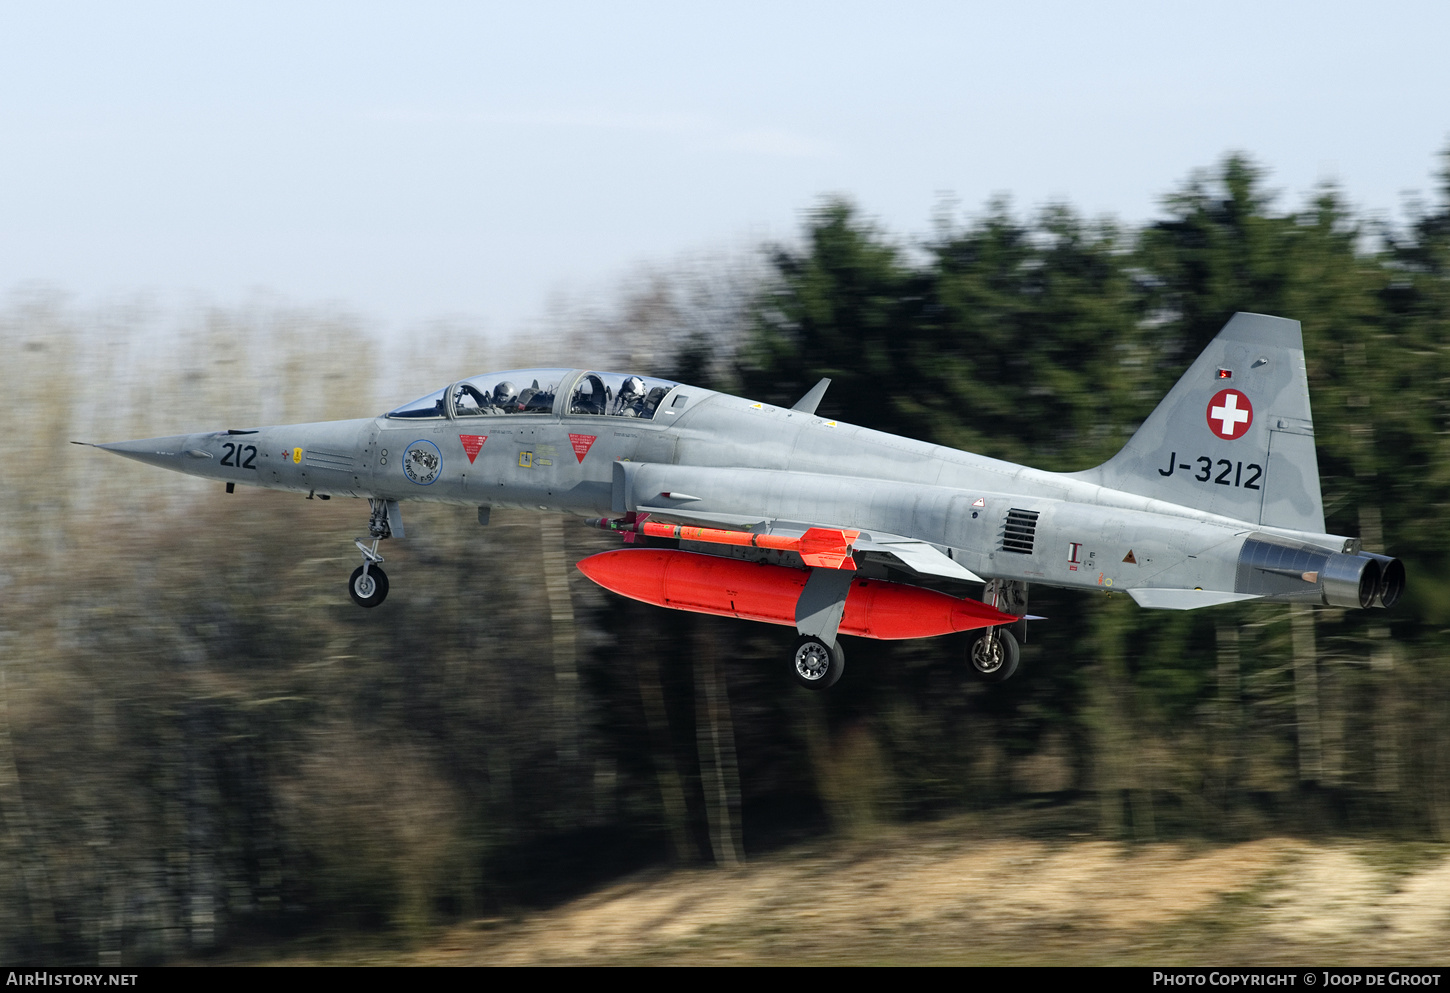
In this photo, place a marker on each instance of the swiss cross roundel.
(1230, 414)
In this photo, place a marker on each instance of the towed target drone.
(743, 509)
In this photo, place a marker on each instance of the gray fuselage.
(707, 457)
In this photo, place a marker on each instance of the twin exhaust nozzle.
(1363, 580)
(1390, 580)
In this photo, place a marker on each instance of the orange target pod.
(711, 584)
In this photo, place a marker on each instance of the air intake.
(1020, 531)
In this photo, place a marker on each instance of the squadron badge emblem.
(422, 462)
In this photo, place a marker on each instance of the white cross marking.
(1229, 415)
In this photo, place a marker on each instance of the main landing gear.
(994, 656)
(368, 586)
(819, 659)
(816, 665)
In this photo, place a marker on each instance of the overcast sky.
(412, 161)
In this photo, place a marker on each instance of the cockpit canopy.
(538, 391)
(619, 395)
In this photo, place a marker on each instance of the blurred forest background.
(204, 745)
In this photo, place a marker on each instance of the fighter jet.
(743, 509)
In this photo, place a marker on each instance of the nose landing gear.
(368, 585)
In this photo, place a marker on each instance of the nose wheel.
(368, 586)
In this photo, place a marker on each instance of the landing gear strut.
(994, 656)
(368, 586)
(819, 659)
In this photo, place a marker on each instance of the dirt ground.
(931, 896)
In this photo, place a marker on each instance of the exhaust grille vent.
(1019, 532)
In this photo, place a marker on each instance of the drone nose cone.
(637, 574)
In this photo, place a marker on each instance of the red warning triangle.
(1130, 558)
(581, 443)
(471, 444)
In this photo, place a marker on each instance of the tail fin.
(1235, 436)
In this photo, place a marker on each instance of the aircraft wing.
(919, 557)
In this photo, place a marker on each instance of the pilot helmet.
(633, 389)
(503, 392)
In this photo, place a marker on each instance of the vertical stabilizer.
(1235, 435)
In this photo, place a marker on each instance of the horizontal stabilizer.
(1164, 599)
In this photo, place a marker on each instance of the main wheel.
(995, 655)
(816, 665)
(368, 590)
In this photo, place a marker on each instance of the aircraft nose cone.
(166, 452)
(145, 446)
